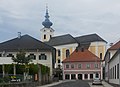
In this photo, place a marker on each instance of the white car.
(96, 81)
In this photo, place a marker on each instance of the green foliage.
(45, 69)
(21, 58)
(33, 69)
(20, 69)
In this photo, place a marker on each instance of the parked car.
(97, 81)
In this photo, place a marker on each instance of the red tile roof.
(85, 56)
(115, 46)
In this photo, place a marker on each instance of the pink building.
(82, 64)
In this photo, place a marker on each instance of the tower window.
(44, 30)
(44, 36)
(50, 36)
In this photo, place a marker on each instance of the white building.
(112, 64)
(42, 53)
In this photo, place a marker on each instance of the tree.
(22, 59)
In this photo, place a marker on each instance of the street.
(73, 83)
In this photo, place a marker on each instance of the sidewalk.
(105, 84)
(54, 83)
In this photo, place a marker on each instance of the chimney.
(19, 34)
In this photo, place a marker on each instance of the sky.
(75, 17)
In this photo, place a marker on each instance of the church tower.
(47, 32)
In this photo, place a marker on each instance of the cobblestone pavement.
(73, 83)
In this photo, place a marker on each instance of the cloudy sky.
(76, 17)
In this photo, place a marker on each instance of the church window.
(44, 30)
(50, 36)
(0, 55)
(88, 66)
(42, 57)
(101, 56)
(67, 53)
(79, 66)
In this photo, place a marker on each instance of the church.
(66, 44)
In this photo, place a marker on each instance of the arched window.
(101, 56)
(44, 36)
(10, 55)
(42, 57)
(32, 56)
(67, 53)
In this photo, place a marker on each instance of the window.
(44, 36)
(79, 66)
(72, 66)
(58, 60)
(67, 76)
(118, 71)
(32, 56)
(86, 76)
(88, 66)
(0, 55)
(42, 57)
(96, 65)
(101, 56)
(73, 76)
(10, 55)
(50, 36)
(115, 71)
(58, 52)
(67, 53)
(44, 30)
(67, 66)
(97, 75)
(91, 76)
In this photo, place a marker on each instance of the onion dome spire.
(47, 23)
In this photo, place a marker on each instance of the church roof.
(69, 39)
(61, 40)
(89, 38)
(82, 56)
(25, 42)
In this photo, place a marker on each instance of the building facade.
(83, 65)
(112, 64)
(41, 53)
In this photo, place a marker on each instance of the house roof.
(69, 39)
(89, 38)
(61, 40)
(79, 56)
(117, 53)
(115, 46)
(25, 42)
